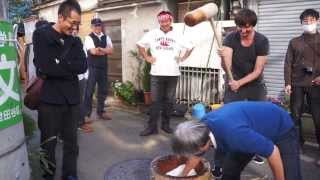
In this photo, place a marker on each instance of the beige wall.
(85, 27)
(135, 21)
(50, 14)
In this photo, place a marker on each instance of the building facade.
(127, 20)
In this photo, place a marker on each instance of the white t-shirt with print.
(164, 47)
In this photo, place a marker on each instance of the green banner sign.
(10, 106)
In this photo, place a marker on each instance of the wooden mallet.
(204, 13)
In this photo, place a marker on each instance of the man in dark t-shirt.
(245, 53)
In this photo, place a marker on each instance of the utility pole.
(3, 9)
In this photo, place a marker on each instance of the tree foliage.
(19, 9)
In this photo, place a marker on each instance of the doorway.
(113, 30)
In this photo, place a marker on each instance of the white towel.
(178, 171)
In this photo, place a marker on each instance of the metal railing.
(113, 3)
(198, 85)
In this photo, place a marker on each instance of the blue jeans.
(96, 76)
(288, 145)
(163, 91)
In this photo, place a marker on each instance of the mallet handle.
(215, 36)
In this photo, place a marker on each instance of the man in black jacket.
(302, 71)
(59, 58)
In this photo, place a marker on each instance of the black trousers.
(97, 76)
(163, 91)
(256, 92)
(297, 102)
(62, 120)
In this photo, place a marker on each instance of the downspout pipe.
(4, 10)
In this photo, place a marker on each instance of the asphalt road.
(115, 144)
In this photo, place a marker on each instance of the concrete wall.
(135, 21)
(87, 5)
(50, 13)
(172, 7)
(29, 27)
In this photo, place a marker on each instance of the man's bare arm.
(191, 163)
(106, 51)
(258, 69)
(226, 57)
(146, 57)
(275, 164)
(96, 51)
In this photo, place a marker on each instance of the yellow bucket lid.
(215, 106)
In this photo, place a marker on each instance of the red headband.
(163, 16)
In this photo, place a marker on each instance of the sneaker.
(88, 120)
(217, 172)
(167, 129)
(318, 163)
(104, 116)
(48, 177)
(70, 178)
(59, 139)
(302, 142)
(148, 132)
(257, 159)
(86, 128)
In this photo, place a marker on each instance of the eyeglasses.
(73, 23)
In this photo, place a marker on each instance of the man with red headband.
(166, 45)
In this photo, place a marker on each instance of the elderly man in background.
(99, 47)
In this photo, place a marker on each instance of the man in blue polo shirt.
(241, 130)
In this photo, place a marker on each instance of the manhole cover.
(138, 169)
